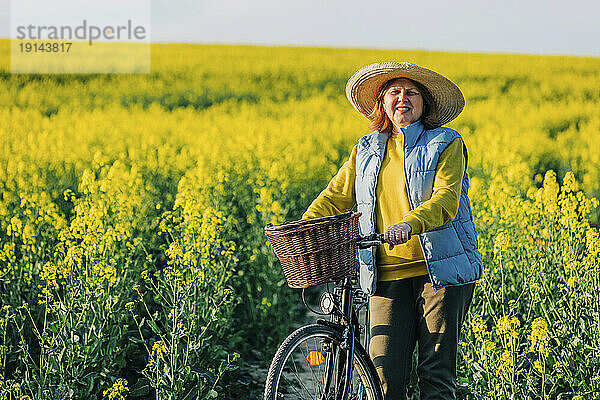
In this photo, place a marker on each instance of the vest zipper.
(412, 208)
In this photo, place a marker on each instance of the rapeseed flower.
(538, 337)
(505, 326)
(118, 391)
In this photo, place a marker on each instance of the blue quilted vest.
(451, 250)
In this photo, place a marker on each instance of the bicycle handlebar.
(374, 239)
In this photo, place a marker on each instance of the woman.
(408, 179)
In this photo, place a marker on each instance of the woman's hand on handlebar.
(397, 234)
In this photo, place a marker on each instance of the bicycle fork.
(339, 367)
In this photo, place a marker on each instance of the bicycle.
(326, 360)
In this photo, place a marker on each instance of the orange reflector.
(315, 358)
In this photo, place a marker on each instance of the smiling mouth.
(403, 109)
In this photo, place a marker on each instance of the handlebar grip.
(374, 239)
(380, 237)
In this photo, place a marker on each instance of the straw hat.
(362, 89)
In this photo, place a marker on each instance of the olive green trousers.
(407, 313)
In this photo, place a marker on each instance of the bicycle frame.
(346, 320)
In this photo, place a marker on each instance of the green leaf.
(141, 388)
(136, 340)
(154, 327)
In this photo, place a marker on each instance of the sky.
(510, 26)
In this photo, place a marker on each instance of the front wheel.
(307, 366)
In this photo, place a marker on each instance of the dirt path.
(257, 369)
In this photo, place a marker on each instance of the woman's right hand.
(397, 234)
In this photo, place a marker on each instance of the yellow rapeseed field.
(133, 262)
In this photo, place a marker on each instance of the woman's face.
(403, 103)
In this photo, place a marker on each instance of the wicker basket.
(316, 251)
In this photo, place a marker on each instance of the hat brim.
(364, 86)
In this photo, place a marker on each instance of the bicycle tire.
(363, 367)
